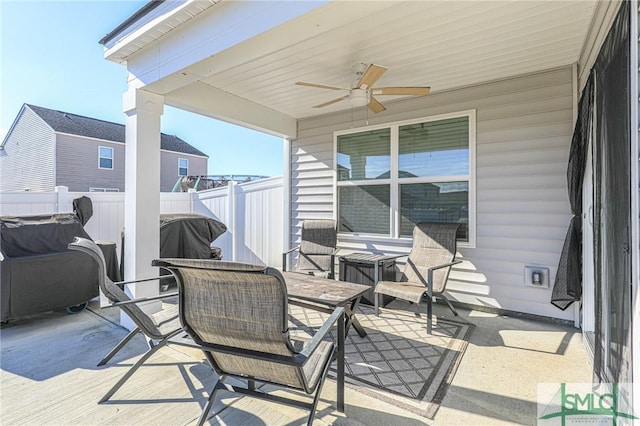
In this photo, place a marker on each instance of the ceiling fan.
(362, 92)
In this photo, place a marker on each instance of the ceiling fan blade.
(320, 86)
(414, 91)
(371, 75)
(375, 106)
(331, 102)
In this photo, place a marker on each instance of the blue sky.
(51, 58)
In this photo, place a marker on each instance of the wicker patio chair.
(238, 315)
(158, 328)
(427, 269)
(317, 249)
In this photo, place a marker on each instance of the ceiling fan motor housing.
(359, 97)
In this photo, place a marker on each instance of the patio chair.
(317, 249)
(238, 315)
(427, 269)
(158, 328)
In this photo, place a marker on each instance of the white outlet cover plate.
(544, 272)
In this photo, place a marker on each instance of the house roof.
(80, 125)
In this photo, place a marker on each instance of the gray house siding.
(28, 158)
(77, 164)
(47, 148)
(523, 132)
(169, 168)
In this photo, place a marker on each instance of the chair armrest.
(142, 280)
(293, 249)
(444, 265)
(141, 300)
(430, 274)
(284, 258)
(312, 345)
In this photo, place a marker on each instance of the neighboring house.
(45, 148)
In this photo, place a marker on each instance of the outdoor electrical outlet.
(536, 276)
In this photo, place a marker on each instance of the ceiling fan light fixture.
(358, 97)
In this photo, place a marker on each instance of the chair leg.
(119, 346)
(449, 304)
(316, 398)
(133, 369)
(210, 401)
(376, 302)
(429, 314)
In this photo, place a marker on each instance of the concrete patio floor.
(49, 377)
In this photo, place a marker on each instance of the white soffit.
(442, 44)
(154, 25)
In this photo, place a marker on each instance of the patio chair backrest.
(114, 293)
(318, 243)
(433, 244)
(239, 306)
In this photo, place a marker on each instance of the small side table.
(368, 269)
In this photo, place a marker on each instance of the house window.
(103, 189)
(183, 167)
(391, 177)
(105, 157)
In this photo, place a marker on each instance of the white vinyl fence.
(253, 213)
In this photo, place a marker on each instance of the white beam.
(142, 193)
(211, 102)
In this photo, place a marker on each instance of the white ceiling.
(239, 60)
(442, 44)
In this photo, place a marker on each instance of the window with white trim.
(105, 157)
(388, 178)
(92, 189)
(183, 167)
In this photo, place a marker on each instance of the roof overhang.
(238, 60)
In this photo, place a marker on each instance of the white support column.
(286, 194)
(142, 193)
(233, 219)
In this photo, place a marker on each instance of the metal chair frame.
(89, 247)
(297, 360)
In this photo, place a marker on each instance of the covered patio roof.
(239, 61)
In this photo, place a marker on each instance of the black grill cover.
(43, 234)
(188, 235)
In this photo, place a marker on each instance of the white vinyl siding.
(28, 158)
(523, 133)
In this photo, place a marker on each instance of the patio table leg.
(351, 318)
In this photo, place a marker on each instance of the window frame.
(187, 168)
(98, 189)
(100, 157)
(394, 181)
